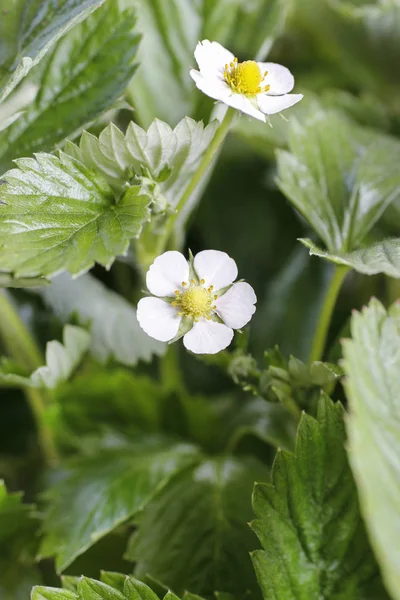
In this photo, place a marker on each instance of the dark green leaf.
(98, 494)
(340, 177)
(18, 528)
(90, 67)
(372, 361)
(289, 313)
(271, 423)
(308, 519)
(380, 257)
(202, 515)
(118, 399)
(57, 214)
(29, 29)
(115, 331)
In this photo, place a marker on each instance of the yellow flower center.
(245, 78)
(197, 301)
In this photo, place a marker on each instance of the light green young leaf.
(380, 257)
(98, 494)
(372, 365)
(57, 214)
(29, 29)
(339, 176)
(61, 361)
(49, 593)
(18, 525)
(90, 66)
(202, 514)
(115, 331)
(167, 156)
(8, 281)
(308, 520)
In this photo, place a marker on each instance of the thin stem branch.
(198, 175)
(325, 316)
(23, 349)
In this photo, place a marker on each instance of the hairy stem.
(23, 349)
(325, 316)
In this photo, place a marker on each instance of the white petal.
(216, 268)
(213, 87)
(275, 104)
(236, 307)
(212, 58)
(167, 273)
(158, 319)
(279, 78)
(243, 104)
(208, 337)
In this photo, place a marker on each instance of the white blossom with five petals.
(254, 88)
(197, 300)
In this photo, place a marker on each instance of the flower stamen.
(194, 302)
(245, 78)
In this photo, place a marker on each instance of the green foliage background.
(260, 472)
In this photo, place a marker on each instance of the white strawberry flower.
(255, 88)
(196, 299)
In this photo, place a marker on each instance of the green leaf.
(136, 590)
(201, 515)
(167, 157)
(48, 593)
(90, 66)
(261, 21)
(340, 177)
(371, 362)
(57, 214)
(118, 587)
(61, 361)
(289, 313)
(115, 331)
(271, 423)
(29, 29)
(380, 257)
(98, 494)
(18, 528)
(90, 589)
(115, 580)
(308, 519)
(102, 400)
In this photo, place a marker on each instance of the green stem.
(23, 349)
(198, 175)
(170, 371)
(325, 316)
